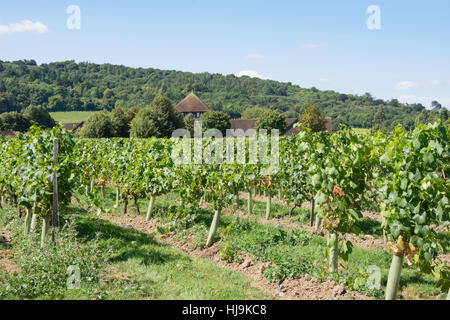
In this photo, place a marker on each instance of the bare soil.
(6, 262)
(300, 288)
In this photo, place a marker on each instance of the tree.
(342, 97)
(444, 114)
(108, 94)
(55, 102)
(14, 121)
(368, 96)
(3, 103)
(394, 103)
(189, 121)
(132, 112)
(108, 98)
(215, 120)
(312, 118)
(436, 105)
(253, 112)
(167, 118)
(270, 119)
(143, 125)
(161, 118)
(39, 116)
(378, 119)
(121, 122)
(99, 125)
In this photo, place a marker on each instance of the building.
(73, 126)
(290, 129)
(192, 105)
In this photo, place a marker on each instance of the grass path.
(162, 270)
(140, 266)
(252, 234)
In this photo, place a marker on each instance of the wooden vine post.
(55, 217)
(311, 217)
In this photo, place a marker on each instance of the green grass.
(71, 116)
(140, 267)
(291, 252)
(164, 272)
(276, 210)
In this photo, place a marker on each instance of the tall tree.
(143, 125)
(312, 118)
(378, 119)
(189, 121)
(39, 116)
(99, 125)
(215, 120)
(120, 122)
(161, 118)
(14, 121)
(436, 105)
(269, 120)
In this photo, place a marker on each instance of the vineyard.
(304, 215)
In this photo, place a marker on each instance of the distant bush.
(99, 125)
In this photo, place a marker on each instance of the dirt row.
(300, 288)
(6, 263)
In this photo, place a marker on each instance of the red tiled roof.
(246, 124)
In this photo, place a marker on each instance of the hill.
(70, 86)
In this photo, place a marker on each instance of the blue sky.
(322, 43)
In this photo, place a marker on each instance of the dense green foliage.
(406, 172)
(215, 120)
(14, 121)
(99, 125)
(270, 120)
(21, 122)
(313, 119)
(70, 86)
(253, 112)
(121, 121)
(189, 122)
(159, 120)
(39, 116)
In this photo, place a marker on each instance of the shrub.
(45, 271)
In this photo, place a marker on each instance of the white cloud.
(24, 26)
(312, 46)
(324, 80)
(435, 82)
(250, 73)
(426, 101)
(255, 56)
(406, 85)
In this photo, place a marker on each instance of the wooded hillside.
(70, 86)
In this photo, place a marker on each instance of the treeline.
(22, 121)
(70, 86)
(160, 119)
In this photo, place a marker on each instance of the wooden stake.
(55, 217)
(311, 218)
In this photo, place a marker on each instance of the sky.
(397, 49)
